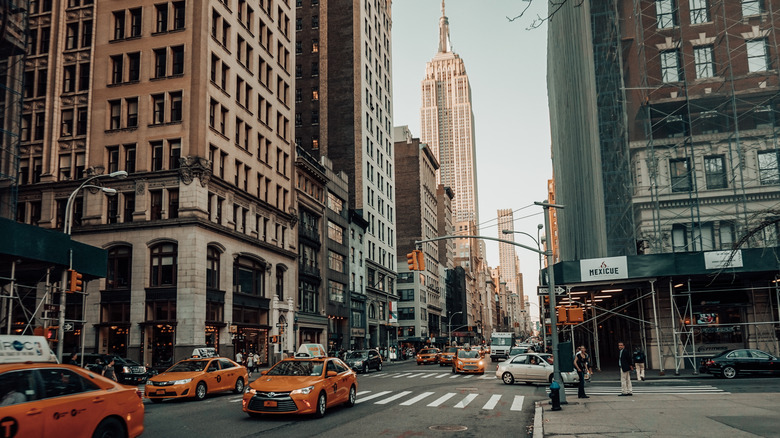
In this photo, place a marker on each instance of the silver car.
(532, 367)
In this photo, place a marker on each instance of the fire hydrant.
(555, 396)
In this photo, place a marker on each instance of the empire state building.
(447, 124)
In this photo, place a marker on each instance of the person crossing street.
(626, 365)
(639, 362)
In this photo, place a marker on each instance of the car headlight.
(481, 363)
(303, 391)
(182, 381)
(126, 370)
(251, 390)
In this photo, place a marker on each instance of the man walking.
(639, 362)
(626, 365)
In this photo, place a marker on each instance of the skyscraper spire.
(444, 31)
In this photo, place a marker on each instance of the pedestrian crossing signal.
(274, 339)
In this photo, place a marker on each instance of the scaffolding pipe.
(10, 297)
(657, 330)
(596, 340)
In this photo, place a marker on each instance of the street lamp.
(449, 328)
(66, 229)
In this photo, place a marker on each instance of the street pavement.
(662, 406)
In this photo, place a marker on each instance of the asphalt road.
(403, 400)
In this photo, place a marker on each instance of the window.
(115, 110)
(705, 66)
(212, 268)
(157, 155)
(751, 7)
(66, 126)
(680, 174)
(135, 22)
(699, 11)
(162, 18)
(758, 58)
(69, 79)
(155, 202)
(173, 203)
(715, 170)
(53, 378)
(670, 66)
(176, 106)
(666, 13)
(175, 147)
(679, 238)
(132, 112)
(178, 60)
(308, 297)
(133, 66)
(336, 262)
(130, 158)
(164, 265)
(160, 61)
(280, 270)
(129, 206)
(178, 15)
(767, 168)
(112, 209)
(406, 313)
(117, 68)
(71, 36)
(81, 121)
(83, 76)
(336, 292)
(64, 167)
(406, 294)
(86, 33)
(249, 277)
(158, 108)
(119, 267)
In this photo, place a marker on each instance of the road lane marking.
(486, 377)
(492, 402)
(428, 375)
(401, 375)
(414, 375)
(454, 377)
(372, 396)
(395, 397)
(442, 376)
(468, 376)
(517, 404)
(465, 402)
(414, 400)
(441, 399)
(362, 392)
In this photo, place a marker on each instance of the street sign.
(281, 324)
(542, 291)
(68, 327)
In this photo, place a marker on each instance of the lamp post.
(449, 328)
(67, 229)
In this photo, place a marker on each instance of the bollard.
(555, 395)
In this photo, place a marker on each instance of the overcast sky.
(506, 65)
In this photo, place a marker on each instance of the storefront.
(158, 344)
(114, 338)
(249, 339)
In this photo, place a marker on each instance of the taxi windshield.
(357, 355)
(188, 366)
(468, 354)
(452, 350)
(428, 351)
(297, 368)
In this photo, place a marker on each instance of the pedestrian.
(250, 363)
(582, 364)
(257, 361)
(626, 365)
(239, 358)
(108, 371)
(392, 354)
(74, 359)
(639, 362)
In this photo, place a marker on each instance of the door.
(518, 367)
(344, 380)
(334, 387)
(763, 361)
(230, 373)
(373, 359)
(21, 411)
(71, 403)
(537, 371)
(213, 377)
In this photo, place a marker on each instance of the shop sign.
(722, 259)
(358, 332)
(609, 268)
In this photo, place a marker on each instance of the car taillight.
(138, 393)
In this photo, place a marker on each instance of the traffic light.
(411, 259)
(75, 281)
(274, 339)
(420, 259)
(52, 332)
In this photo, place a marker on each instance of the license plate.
(160, 392)
(269, 404)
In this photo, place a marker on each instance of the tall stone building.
(194, 101)
(343, 93)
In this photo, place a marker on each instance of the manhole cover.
(449, 428)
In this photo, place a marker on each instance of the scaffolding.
(13, 47)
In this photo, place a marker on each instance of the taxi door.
(213, 377)
(229, 374)
(20, 409)
(335, 386)
(72, 403)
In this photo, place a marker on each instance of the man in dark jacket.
(626, 365)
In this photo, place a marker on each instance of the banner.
(392, 312)
(609, 268)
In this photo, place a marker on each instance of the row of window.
(704, 61)
(715, 174)
(168, 17)
(126, 68)
(221, 33)
(666, 11)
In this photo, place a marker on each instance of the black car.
(364, 360)
(730, 363)
(127, 371)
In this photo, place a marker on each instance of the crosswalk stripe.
(454, 377)
(401, 375)
(372, 396)
(517, 404)
(425, 376)
(414, 400)
(415, 375)
(492, 402)
(465, 402)
(441, 399)
(486, 377)
(362, 392)
(395, 397)
(443, 375)
(468, 376)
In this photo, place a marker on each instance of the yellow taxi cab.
(447, 355)
(41, 398)
(428, 355)
(197, 377)
(468, 361)
(305, 384)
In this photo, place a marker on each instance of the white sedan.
(532, 367)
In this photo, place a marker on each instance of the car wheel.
(508, 378)
(352, 397)
(200, 391)
(321, 405)
(379, 367)
(239, 388)
(729, 372)
(109, 428)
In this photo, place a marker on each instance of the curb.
(539, 421)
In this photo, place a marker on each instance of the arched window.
(163, 272)
(372, 311)
(212, 268)
(119, 264)
(280, 281)
(249, 277)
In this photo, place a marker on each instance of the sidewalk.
(659, 415)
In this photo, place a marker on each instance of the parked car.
(364, 360)
(531, 368)
(731, 363)
(127, 371)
